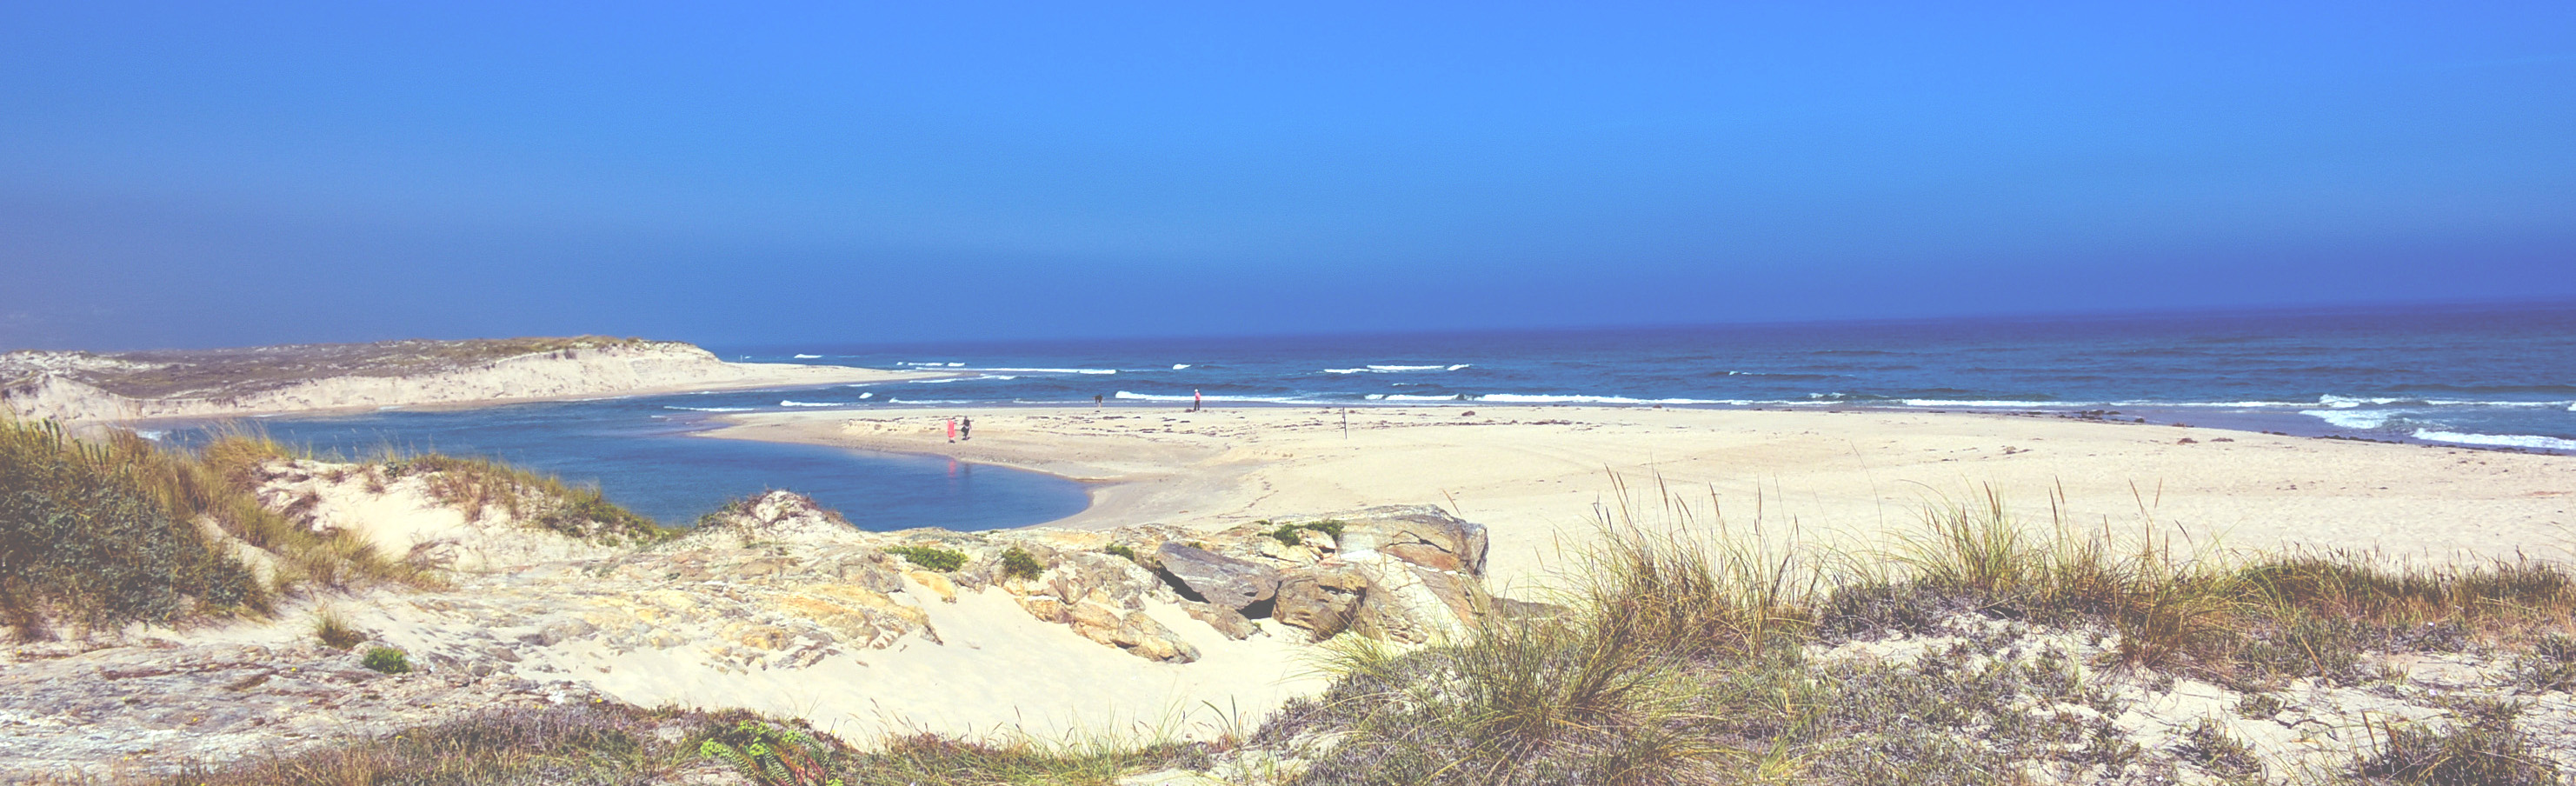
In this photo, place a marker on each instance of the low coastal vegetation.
(1984, 651)
(932, 557)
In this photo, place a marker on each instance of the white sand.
(1848, 475)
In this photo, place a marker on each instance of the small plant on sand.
(2482, 751)
(1017, 563)
(772, 755)
(2208, 745)
(387, 660)
(932, 557)
(334, 631)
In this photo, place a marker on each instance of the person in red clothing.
(952, 429)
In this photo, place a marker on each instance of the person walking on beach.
(1095, 402)
(1196, 402)
(966, 428)
(952, 429)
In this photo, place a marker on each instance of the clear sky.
(185, 175)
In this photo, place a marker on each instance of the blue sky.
(187, 176)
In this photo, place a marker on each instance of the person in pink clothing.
(952, 429)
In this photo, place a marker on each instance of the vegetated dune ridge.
(81, 387)
(771, 604)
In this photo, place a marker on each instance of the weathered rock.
(1419, 534)
(1408, 602)
(1322, 601)
(1221, 580)
(1224, 620)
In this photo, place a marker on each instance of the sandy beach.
(1535, 474)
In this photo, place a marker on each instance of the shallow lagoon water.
(645, 459)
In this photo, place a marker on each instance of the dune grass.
(96, 535)
(1686, 653)
(483, 487)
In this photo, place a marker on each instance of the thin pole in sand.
(1346, 424)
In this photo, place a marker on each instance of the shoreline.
(1535, 474)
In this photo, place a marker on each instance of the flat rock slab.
(1224, 581)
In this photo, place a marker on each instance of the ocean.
(2484, 376)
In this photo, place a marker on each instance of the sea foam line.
(1390, 369)
(1055, 370)
(1127, 396)
(2503, 440)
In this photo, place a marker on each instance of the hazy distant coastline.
(82, 387)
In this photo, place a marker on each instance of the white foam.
(1179, 366)
(1392, 369)
(1124, 395)
(1408, 397)
(712, 409)
(1052, 370)
(1540, 398)
(866, 396)
(807, 357)
(149, 434)
(2507, 440)
(813, 403)
(2353, 420)
(1929, 402)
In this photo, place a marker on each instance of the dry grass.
(483, 487)
(1680, 655)
(100, 532)
(94, 535)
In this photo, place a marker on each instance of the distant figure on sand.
(966, 428)
(952, 429)
(1095, 402)
(1195, 401)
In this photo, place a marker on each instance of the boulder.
(1419, 534)
(1221, 580)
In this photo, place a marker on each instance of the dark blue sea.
(2485, 376)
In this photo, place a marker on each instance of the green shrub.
(770, 755)
(1292, 534)
(1121, 550)
(1017, 563)
(387, 660)
(932, 557)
